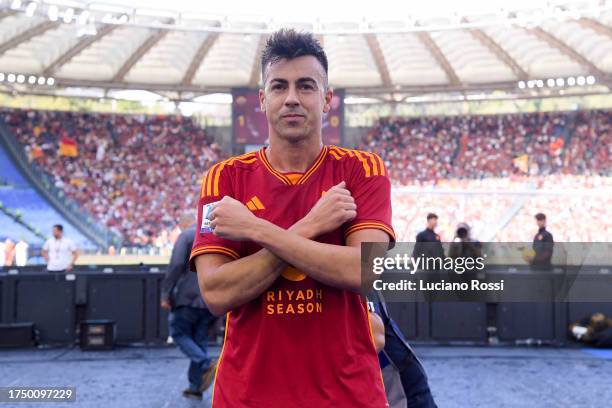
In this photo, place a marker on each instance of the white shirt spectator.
(21, 253)
(101, 150)
(60, 253)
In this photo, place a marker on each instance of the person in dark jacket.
(543, 244)
(190, 318)
(428, 241)
(429, 245)
(405, 379)
(464, 245)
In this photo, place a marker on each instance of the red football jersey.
(301, 343)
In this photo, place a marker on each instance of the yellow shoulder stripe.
(364, 162)
(371, 162)
(336, 155)
(210, 185)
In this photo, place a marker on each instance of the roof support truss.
(436, 52)
(500, 53)
(138, 54)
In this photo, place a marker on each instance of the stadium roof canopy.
(540, 44)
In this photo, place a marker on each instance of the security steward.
(543, 244)
(427, 241)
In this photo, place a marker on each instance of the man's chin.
(293, 134)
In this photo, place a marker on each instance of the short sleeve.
(215, 186)
(72, 246)
(371, 190)
(46, 246)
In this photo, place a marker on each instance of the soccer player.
(279, 251)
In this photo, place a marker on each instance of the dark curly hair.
(290, 44)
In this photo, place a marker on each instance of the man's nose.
(292, 97)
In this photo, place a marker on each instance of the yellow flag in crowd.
(68, 147)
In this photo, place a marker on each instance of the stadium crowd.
(452, 166)
(424, 151)
(577, 209)
(135, 174)
(502, 209)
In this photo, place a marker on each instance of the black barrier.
(48, 302)
(490, 292)
(487, 272)
(458, 321)
(56, 303)
(517, 321)
(121, 298)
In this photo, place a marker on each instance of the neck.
(293, 157)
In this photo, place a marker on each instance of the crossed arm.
(226, 284)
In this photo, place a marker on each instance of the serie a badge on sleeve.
(206, 210)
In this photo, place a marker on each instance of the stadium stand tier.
(426, 150)
(28, 210)
(134, 174)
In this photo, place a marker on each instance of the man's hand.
(333, 209)
(165, 304)
(69, 268)
(232, 220)
(378, 331)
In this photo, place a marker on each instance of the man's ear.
(262, 100)
(329, 94)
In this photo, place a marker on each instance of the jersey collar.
(286, 180)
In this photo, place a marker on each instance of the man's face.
(295, 97)
(541, 223)
(432, 223)
(57, 233)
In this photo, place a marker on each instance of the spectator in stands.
(59, 252)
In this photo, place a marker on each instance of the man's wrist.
(258, 232)
(304, 228)
(261, 229)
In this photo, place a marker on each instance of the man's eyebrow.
(302, 79)
(306, 79)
